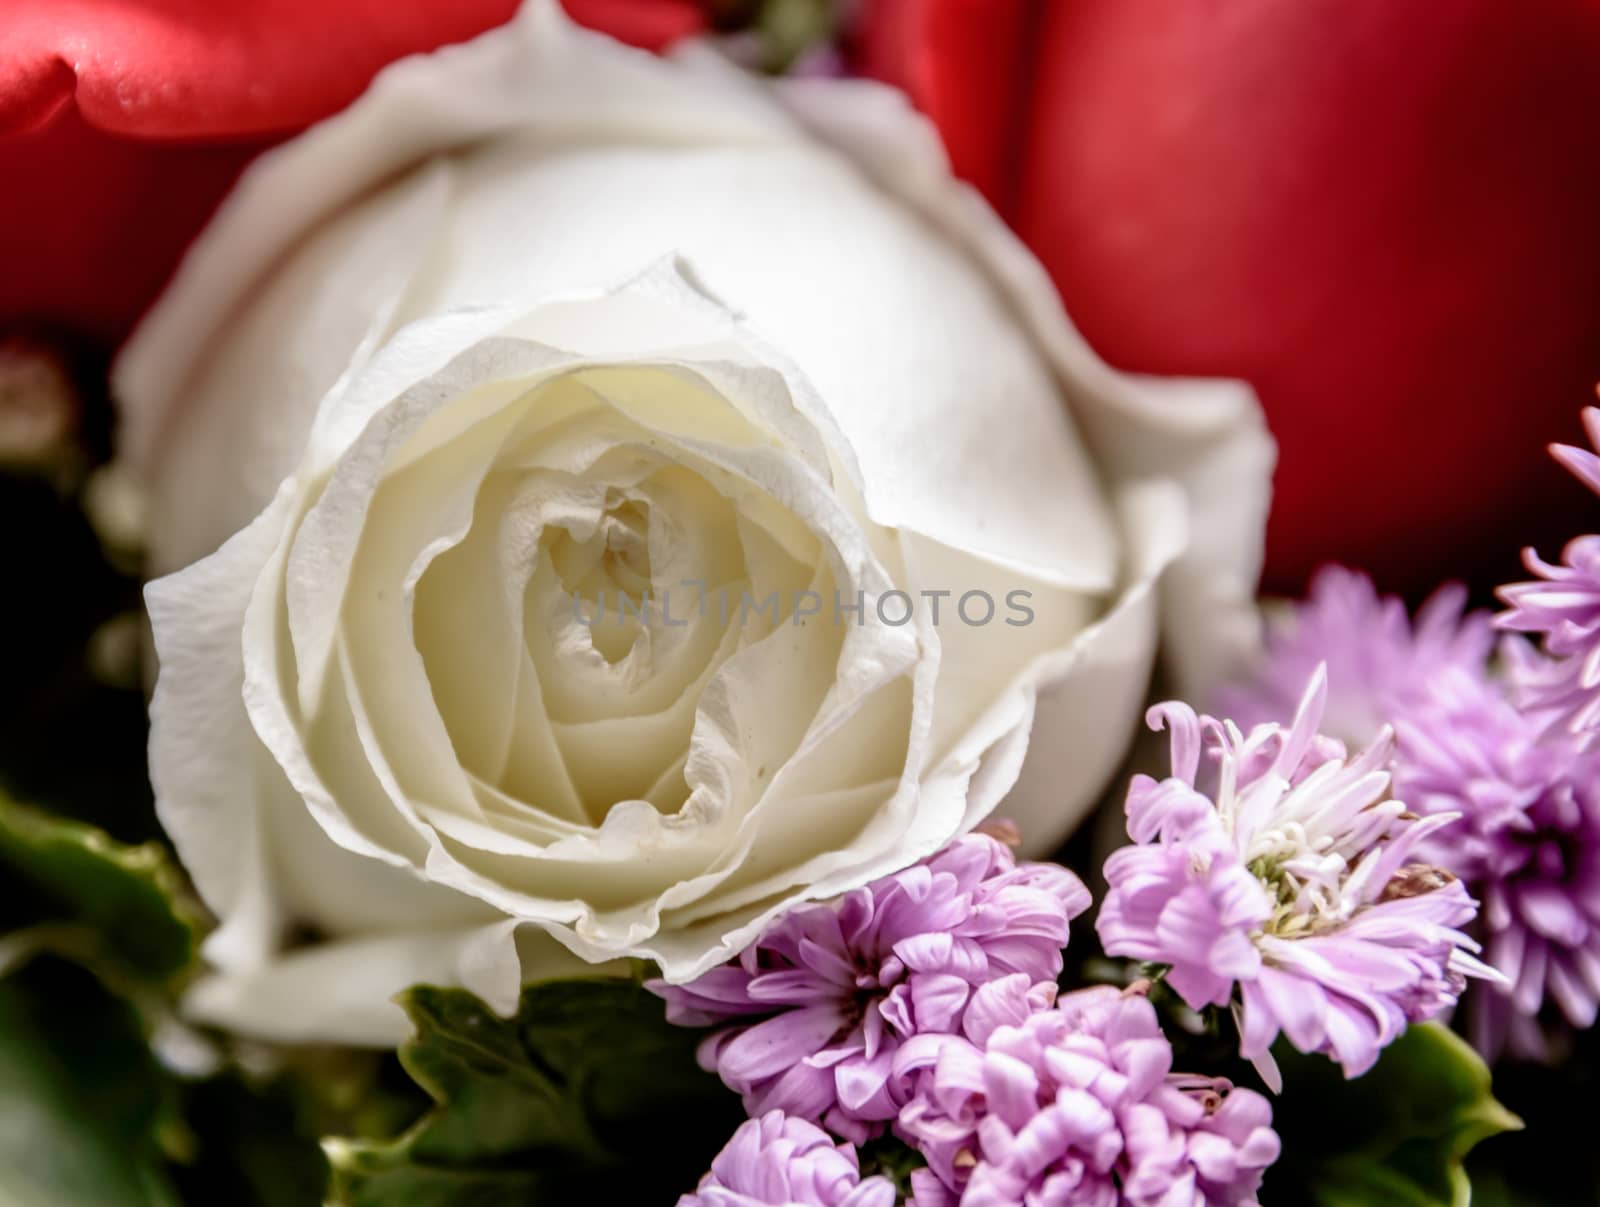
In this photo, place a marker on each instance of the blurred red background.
(1381, 213)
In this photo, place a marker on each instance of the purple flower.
(1288, 888)
(1528, 841)
(1563, 607)
(843, 985)
(775, 1161)
(1076, 1104)
(1380, 664)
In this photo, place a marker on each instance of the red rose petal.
(193, 69)
(107, 107)
(92, 223)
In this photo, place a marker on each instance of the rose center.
(608, 570)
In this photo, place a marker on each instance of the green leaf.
(83, 1106)
(121, 910)
(1396, 1136)
(86, 1113)
(587, 1095)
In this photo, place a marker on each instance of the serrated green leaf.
(120, 909)
(83, 1105)
(1396, 1136)
(587, 1092)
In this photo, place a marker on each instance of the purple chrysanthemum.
(1563, 608)
(1076, 1104)
(776, 1161)
(844, 984)
(1291, 881)
(1528, 842)
(1380, 663)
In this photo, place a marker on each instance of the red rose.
(123, 122)
(1385, 214)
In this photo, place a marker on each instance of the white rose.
(540, 316)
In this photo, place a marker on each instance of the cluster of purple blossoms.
(822, 1001)
(1380, 665)
(1562, 607)
(1075, 1104)
(775, 1161)
(1290, 878)
(1269, 872)
(1528, 841)
(1527, 795)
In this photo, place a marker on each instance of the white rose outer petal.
(660, 302)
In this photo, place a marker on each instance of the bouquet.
(589, 627)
